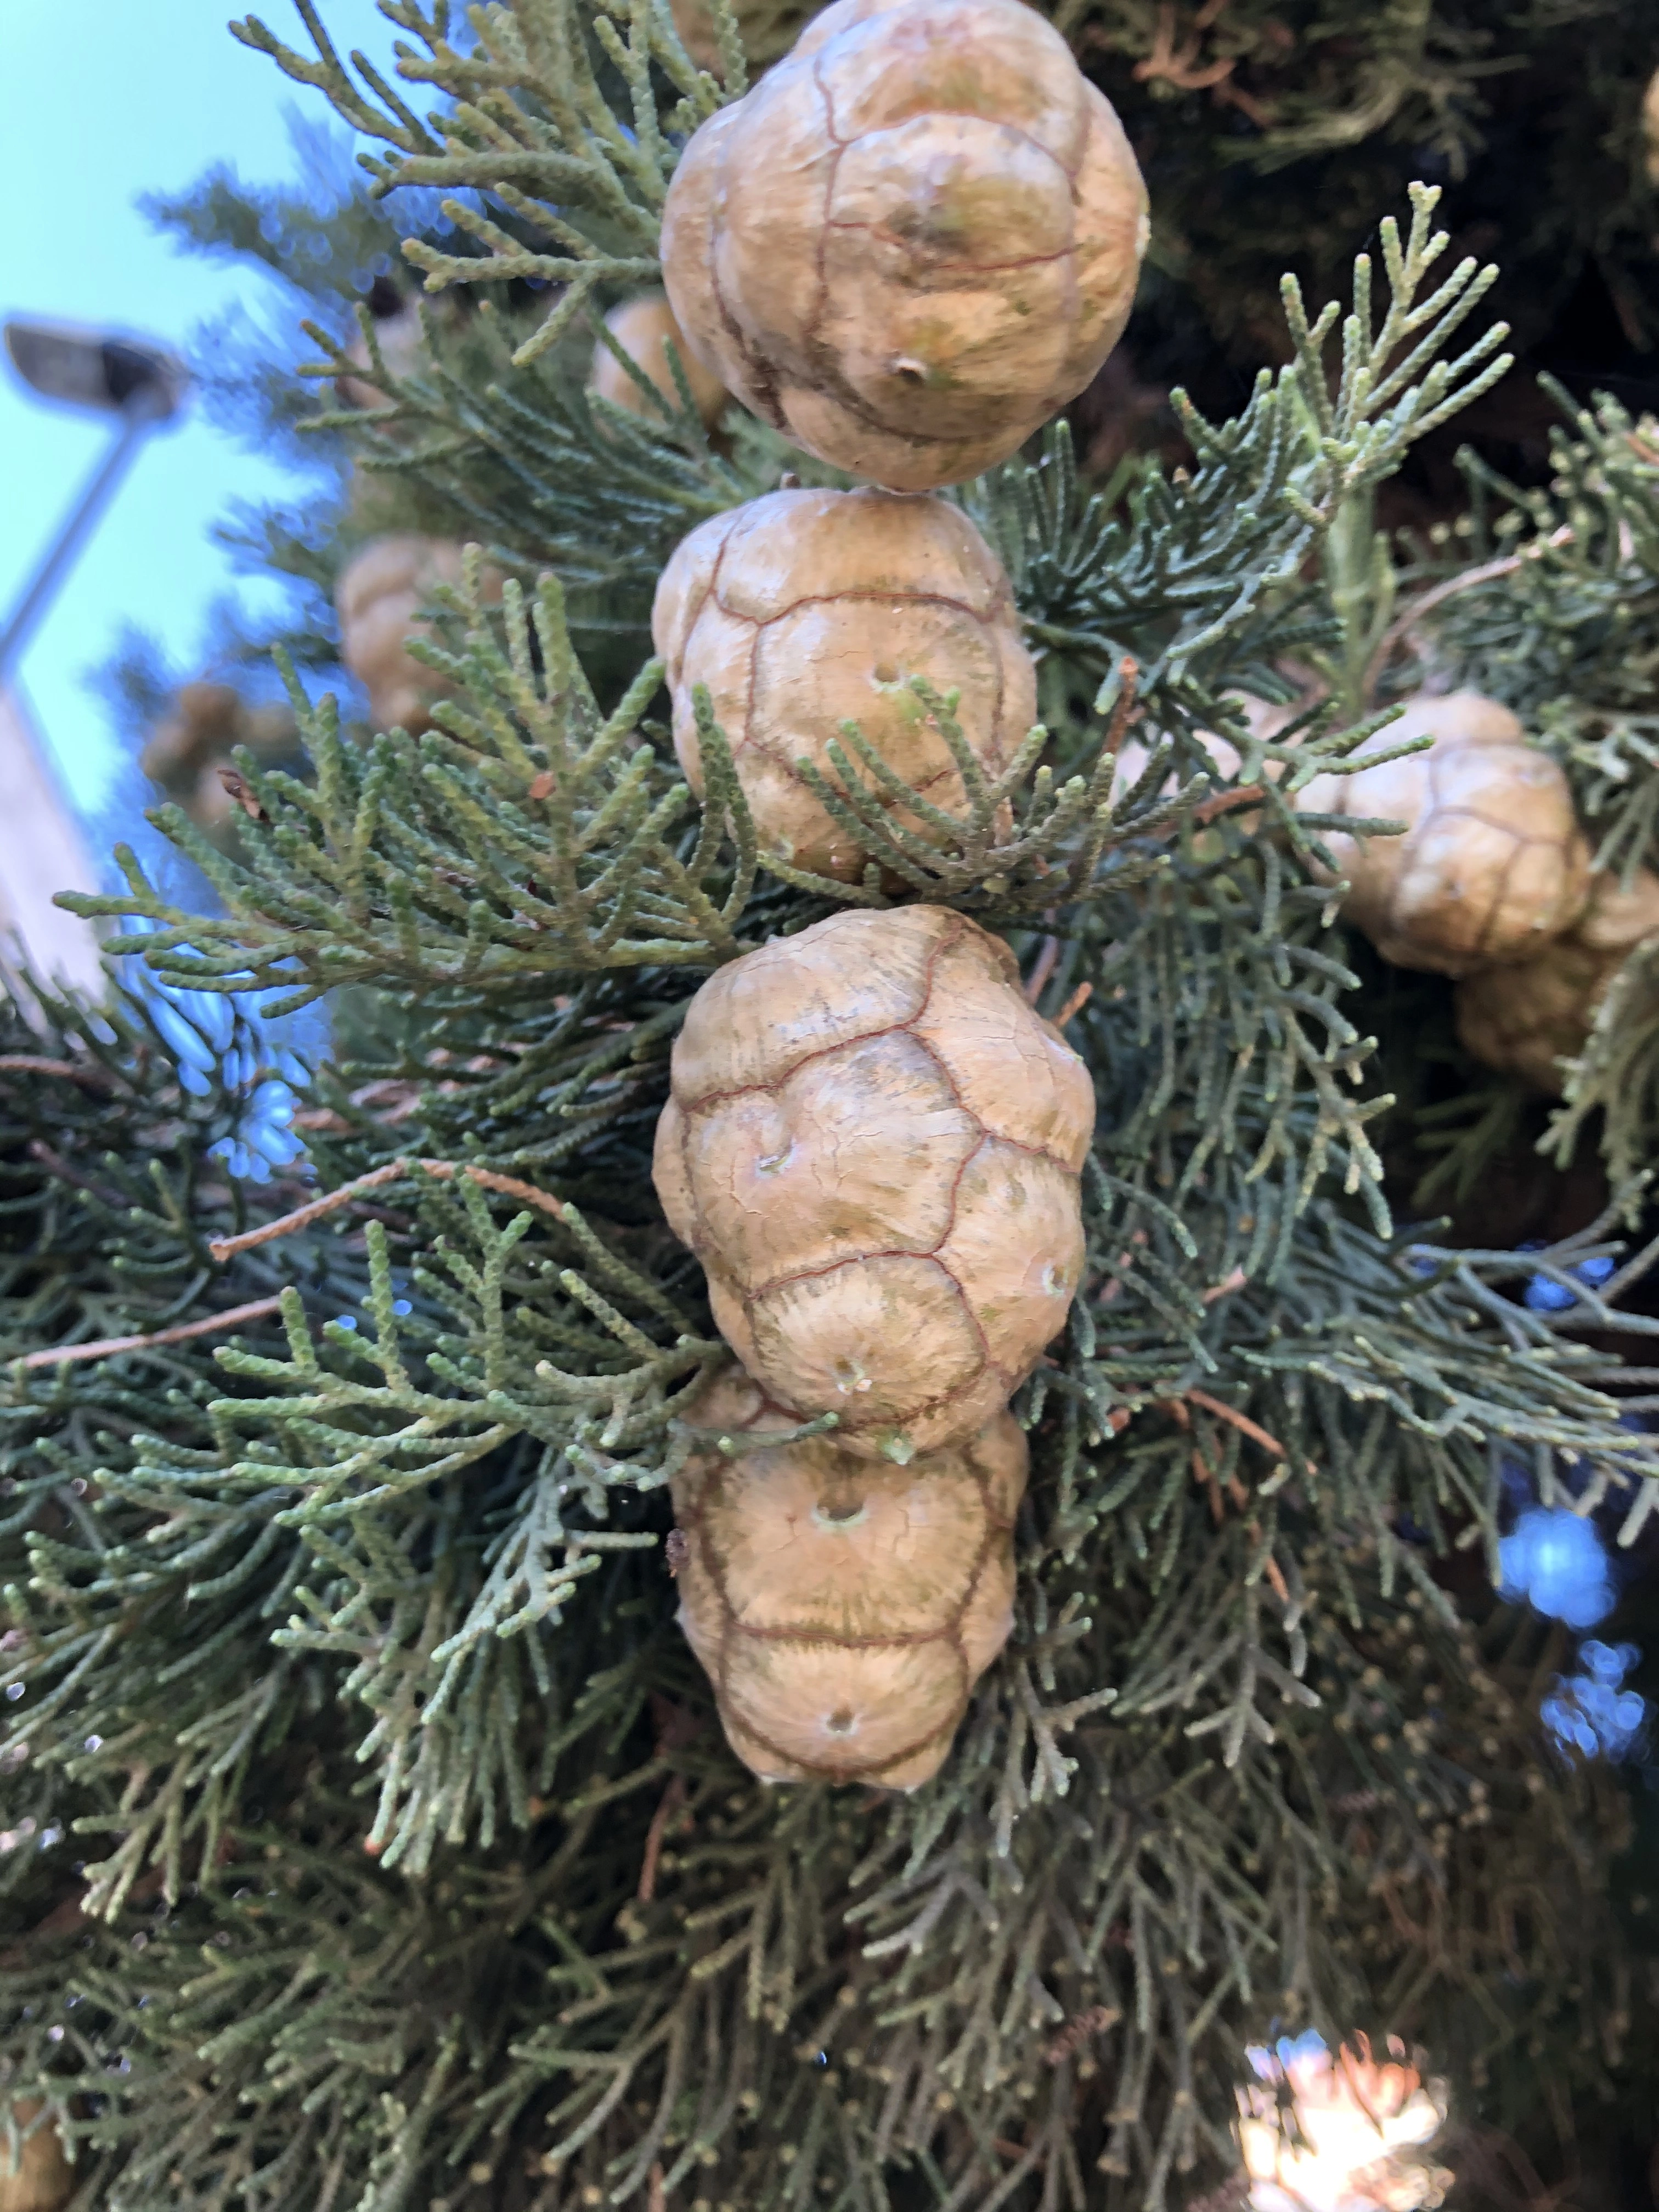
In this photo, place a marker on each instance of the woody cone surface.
(403, 346)
(913, 241)
(645, 328)
(1491, 865)
(797, 610)
(43, 2180)
(844, 1608)
(873, 1146)
(194, 740)
(1526, 1020)
(378, 598)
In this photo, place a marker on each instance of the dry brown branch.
(225, 1248)
(1168, 64)
(1077, 2032)
(671, 1799)
(104, 1347)
(1227, 802)
(1048, 953)
(60, 1167)
(31, 1063)
(1242, 1421)
(1125, 713)
(1489, 572)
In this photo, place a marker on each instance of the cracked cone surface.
(873, 1145)
(377, 599)
(913, 241)
(44, 2180)
(844, 1608)
(1492, 863)
(645, 328)
(1525, 1020)
(807, 609)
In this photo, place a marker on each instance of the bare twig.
(1488, 573)
(1224, 1412)
(1047, 954)
(106, 1346)
(225, 1248)
(672, 1798)
(31, 1063)
(1226, 802)
(1179, 65)
(1077, 2032)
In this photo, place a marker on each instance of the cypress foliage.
(373, 1843)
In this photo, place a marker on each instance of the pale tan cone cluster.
(645, 329)
(1526, 1019)
(377, 599)
(1493, 864)
(807, 609)
(190, 746)
(913, 241)
(45, 2180)
(873, 1145)
(403, 348)
(844, 1608)
(910, 244)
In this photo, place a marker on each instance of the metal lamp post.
(42, 849)
(140, 385)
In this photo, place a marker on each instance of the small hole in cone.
(844, 1513)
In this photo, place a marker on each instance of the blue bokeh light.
(1590, 1712)
(1557, 1563)
(1544, 1296)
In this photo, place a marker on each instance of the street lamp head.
(118, 375)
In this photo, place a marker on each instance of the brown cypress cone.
(44, 2180)
(645, 328)
(807, 609)
(1527, 1019)
(874, 1146)
(913, 241)
(843, 1608)
(378, 598)
(1491, 864)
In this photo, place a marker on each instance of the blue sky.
(108, 100)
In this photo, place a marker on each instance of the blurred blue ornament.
(1269, 2062)
(1589, 1712)
(258, 1061)
(1544, 1296)
(1559, 1563)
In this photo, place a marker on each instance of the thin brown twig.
(34, 1063)
(1204, 1476)
(106, 1346)
(1047, 954)
(225, 1248)
(60, 1167)
(1271, 1568)
(1224, 1412)
(671, 1799)
(1226, 802)
(1124, 712)
(1487, 573)
(1165, 64)
(1078, 2030)
(1225, 1288)
(1074, 1006)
